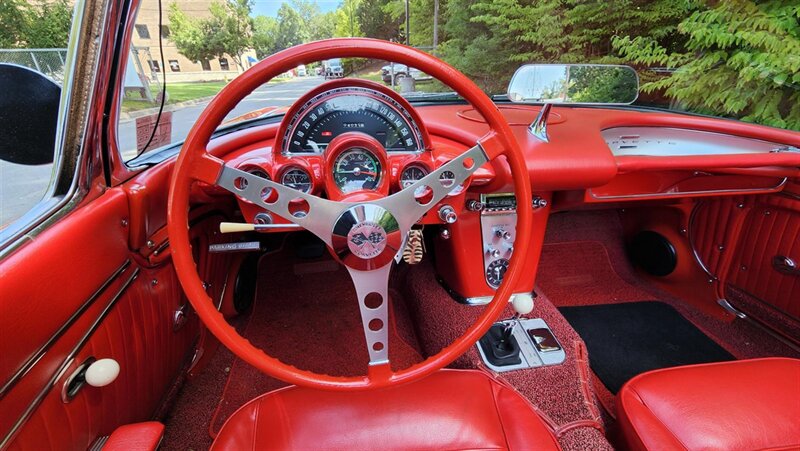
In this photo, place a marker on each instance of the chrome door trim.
(62, 369)
(34, 359)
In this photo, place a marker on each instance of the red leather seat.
(741, 405)
(450, 409)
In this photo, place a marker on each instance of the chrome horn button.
(366, 237)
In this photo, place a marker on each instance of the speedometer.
(351, 109)
(356, 169)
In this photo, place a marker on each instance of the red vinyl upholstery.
(742, 405)
(136, 437)
(450, 409)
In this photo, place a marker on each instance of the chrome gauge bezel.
(291, 169)
(402, 180)
(356, 151)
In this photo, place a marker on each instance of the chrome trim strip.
(690, 237)
(67, 360)
(34, 359)
(731, 309)
(691, 193)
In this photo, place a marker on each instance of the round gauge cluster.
(357, 169)
(297, 178)
(412, 174)
(351, 109)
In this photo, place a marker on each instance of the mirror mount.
(538, 127)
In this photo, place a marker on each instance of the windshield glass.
(736, 59)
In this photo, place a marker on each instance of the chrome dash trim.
(67, 361)
(34, 359)
(698, 193)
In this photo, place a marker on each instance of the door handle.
(785, 265)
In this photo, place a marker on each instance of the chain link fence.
(50, 62)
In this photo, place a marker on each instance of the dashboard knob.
(102, 372)
(504, 234)
(494, 252)
(538, 202)
(447, 214)
(474, 205)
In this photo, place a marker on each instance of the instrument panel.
(339, 110)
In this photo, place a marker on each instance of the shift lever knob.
(522, 303)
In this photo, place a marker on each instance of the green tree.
(741, 59)
(34, 25)
(265, 35)
(228, 31)
(291, 28)
(347, 20)
(375, 22)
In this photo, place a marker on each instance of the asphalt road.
(21, 187)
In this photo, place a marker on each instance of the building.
(146, 54)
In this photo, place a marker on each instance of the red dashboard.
(577, 162)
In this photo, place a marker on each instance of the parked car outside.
(400, 71)
(301, 70)
(334, 69)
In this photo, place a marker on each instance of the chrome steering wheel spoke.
(313, 213)
(372, 289)
(411, 203)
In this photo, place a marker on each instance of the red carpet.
(306, 314)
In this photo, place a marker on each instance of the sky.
(270, 7)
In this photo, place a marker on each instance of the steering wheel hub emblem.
(366, 240)
(366, 237)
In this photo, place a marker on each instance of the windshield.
(735, 59)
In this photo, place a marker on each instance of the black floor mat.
(634, 337)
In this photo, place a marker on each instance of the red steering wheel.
(386, 219)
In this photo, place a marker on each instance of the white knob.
(102, 372)
(522, 303)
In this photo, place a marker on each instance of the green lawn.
(177, 92)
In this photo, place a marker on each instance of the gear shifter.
(499, 344)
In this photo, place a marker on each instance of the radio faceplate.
(498, 230)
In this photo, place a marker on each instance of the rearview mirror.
(28, 115)
(588, 84)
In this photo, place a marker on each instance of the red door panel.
(737, 240)
(76, 292)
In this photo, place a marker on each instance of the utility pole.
(407, 37)
(435, 25)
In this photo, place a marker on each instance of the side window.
(33, 53)
(223, 64)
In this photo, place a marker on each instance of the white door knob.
(102, 372)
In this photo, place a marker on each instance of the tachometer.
(351, 109)
(298, 179)
(356, 169)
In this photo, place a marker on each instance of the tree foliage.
(26, 24)
(741, 59)
(227, 31)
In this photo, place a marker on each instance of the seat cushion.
(450, 409)
(741, 405)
